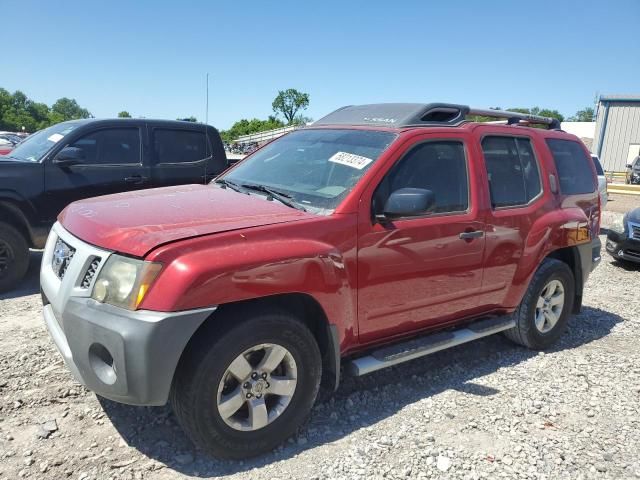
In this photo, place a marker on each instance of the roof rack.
(420, 114)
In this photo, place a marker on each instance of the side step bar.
(403, 352)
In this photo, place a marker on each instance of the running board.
(403, 352)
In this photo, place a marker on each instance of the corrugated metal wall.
(622, 130)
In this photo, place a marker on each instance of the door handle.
(136, 179)
(471, 235)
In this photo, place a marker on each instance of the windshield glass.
(314, 168)
(35, 146)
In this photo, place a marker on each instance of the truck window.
(439, 166)
(512, 170)
(178, 146)
(572, 164)
(110, 146)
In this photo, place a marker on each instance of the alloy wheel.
(549, 306)
(257, 387)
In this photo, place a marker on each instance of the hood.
(136, 222)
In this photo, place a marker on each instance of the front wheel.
(14, 257)
(243, 391)
(544, 311)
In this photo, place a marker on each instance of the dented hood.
(136, 222)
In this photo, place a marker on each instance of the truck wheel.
(544, 311)
(14, 257)
(242, 391)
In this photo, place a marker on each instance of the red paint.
(136, 222)
(374, 282)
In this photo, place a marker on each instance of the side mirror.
(69, 156)
(408, 202)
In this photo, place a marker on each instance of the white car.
(602, 182)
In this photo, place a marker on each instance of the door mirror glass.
(69, 156)
(409, 202)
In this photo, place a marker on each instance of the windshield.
(314, 168)
(35, 146)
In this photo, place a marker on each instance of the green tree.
(289, 102)
(585, 115)
(124, 114)
(18, 111)
(247, 127)
(68, 109)
(188, 119)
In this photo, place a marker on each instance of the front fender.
(247, 264)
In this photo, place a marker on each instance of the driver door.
(111, 163)
(420, 272)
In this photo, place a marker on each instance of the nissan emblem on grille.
(62, 255)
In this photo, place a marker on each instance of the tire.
(14, 257)
(527, 331)
(205, 366)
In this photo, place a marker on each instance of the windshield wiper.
(282, 197)
(231, 185)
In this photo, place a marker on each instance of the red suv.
(380, 234)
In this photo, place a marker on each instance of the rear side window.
(573, 167)
(437, 166)
(178, 146)
(512, 169)
(111, 146)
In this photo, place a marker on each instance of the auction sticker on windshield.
(55, 138)
(350, 160)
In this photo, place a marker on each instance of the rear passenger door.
(516, 199)
(179, 156)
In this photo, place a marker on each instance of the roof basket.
(419, 114)
(514, 118)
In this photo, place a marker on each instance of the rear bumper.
(128, 357)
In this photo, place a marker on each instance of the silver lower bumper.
(126, 356)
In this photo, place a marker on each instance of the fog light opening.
(101, 362)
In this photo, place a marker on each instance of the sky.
(151, 57)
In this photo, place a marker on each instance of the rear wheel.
(14, 257)
(544, 311)
(245, 390)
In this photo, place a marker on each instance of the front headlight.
(124, 281)
(617, 226)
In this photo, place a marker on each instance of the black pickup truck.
(86, 158)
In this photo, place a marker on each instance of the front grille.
(90, 273)
(632, 253)
(634, 231)
(62, 255)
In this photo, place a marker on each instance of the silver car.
(602, 182)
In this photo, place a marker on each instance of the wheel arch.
(572, 256)
(12, 215)
(303, 307)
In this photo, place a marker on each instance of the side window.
(110, 146)
(439, 166)
(178, 146)
(512, 169)
(572, 164)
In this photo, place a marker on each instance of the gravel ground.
(488, 409)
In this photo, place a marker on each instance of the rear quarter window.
(573, 166)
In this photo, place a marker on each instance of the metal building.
(617, 139)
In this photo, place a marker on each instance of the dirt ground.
(488, 409)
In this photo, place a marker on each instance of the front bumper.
(621, 247)
(129, 357)
(126, 356)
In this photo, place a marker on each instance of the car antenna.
(206, 131)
